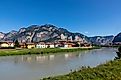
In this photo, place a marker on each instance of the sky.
(89, 17)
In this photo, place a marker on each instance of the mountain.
(2, 35)
(117, 38)
(37, 33)
(102, 40)
(10, 36)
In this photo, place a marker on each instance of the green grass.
(8, 52)
(108, 71)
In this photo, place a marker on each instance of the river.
(34, 67)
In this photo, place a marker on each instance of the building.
(57, 45)
(30, 45)
(50, 45)
(6, 44)
(41, 45)
(23, 45)
(69, 45)
(45, 45)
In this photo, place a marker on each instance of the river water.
(34, 67)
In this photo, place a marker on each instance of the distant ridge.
(117, 38)
(37, 33)
(51, 33)
(102, 40)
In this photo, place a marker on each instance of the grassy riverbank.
(8, 52)
(108, 71)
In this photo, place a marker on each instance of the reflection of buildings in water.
(26, 58)
(84, 53)
(51, 57)
(41, 58)
(34, 58)
(29, 59)
(66, 55)
(22, 58)
(69, 56)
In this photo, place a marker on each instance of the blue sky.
(90, 17)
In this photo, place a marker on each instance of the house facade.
(41, 45)
(6, 44)
(31, 45)
(45, 45)
(50, 45)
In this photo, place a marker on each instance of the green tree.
(17, 43)
(119, 49)
(118, 53)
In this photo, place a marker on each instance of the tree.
(119, 49)
(17, 43)
(118, 53)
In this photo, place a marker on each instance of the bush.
(118, 53)
(119, 49)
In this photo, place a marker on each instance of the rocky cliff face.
(117, 38)
(10, 36)
(36, 33)
(101, 40)
(2, 35)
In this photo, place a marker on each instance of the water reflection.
(37, 58)
(51, 57)
(32, 58)
(67, 56)
(34, 67)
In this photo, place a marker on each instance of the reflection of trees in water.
(16, 60)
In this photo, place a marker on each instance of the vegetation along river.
(34, 67)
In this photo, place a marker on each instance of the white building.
(41, 45)
(66, 46)
(6, 44)
(45, 45)
(50, 45)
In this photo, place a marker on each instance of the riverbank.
(10, 52)
(108, 71)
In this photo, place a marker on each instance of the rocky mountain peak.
(117, 38)
(2, 35)
(37, 33)
(102, 40)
